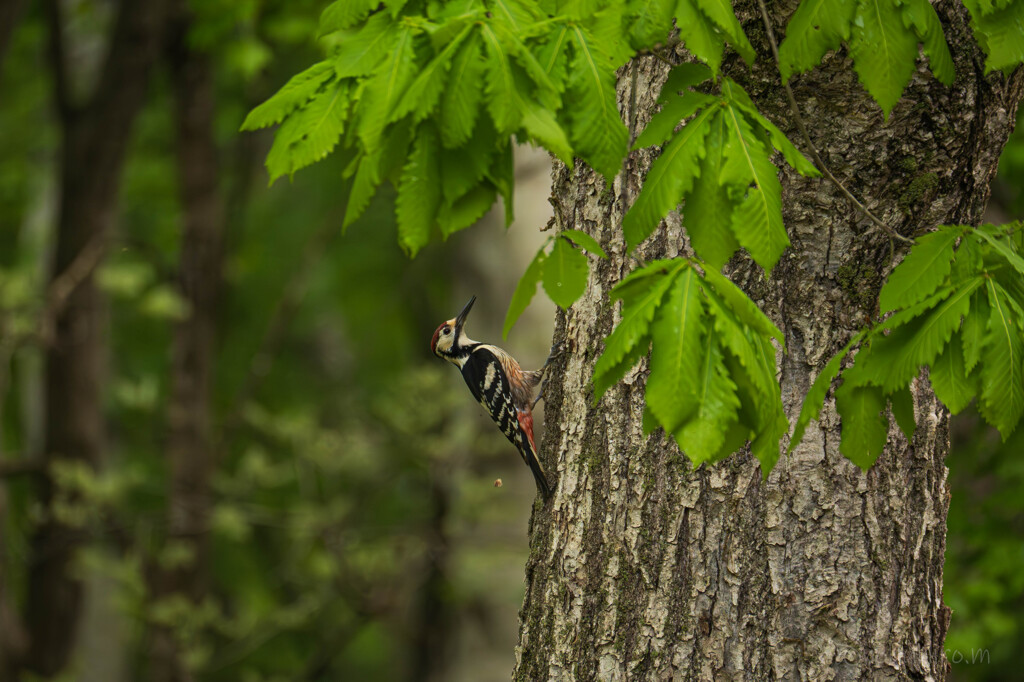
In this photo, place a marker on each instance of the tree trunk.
(190, 450)
(642, 568)
(95, 139)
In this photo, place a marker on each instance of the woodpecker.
(499, 383)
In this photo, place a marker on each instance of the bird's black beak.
(461, 319)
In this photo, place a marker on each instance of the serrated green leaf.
(525, 291)
(584, 241)
(597, 132)
(554, 57)
(344, 14)
(778, 139)
(500, 85)
(721, 13)
(1001, 34)
(743, 343)
(360, 54)
(517, 14)
(670, 176)
(312, 132)
(1004, 250)
(757, 221)
(925, 267)
(423, 94)
(292, 95)
(612, 373)
(949, 377)
(742, 307)
(699, 34)
(816, 27)
(638, 309)
(865, 426)
(464, 167)
(502, 175)
(633, 285)
(419, 193)
(901, 402)
(1002, 367)
(565, 274)
(815, 397)
(543, 127)
(920, 15)
(703, 435)
(709, 207)
(677, 331)
(681, 77)
(884, 52)
(671, 114)
(364, 186)
(467, 209)
(461, 99)
(652, 22)
(385, 87)
(975, 330)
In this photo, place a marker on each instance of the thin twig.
(807, 138)
(64, 284)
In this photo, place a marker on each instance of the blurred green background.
(356, 530)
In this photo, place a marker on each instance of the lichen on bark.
(641, 567)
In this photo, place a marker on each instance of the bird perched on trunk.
(499, 383)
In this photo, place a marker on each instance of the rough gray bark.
(642, 568)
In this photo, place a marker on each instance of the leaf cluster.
(957, 304)
(719, 163)
(712, 383)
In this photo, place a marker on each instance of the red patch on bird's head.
(433, 340)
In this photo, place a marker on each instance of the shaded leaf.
(565, 273)
(525, 291)
(865, 426)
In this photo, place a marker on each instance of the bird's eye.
(446, 330)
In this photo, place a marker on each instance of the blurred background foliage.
(356, 529)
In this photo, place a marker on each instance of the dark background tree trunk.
(94, 140)
(642, 568)
(190, 449)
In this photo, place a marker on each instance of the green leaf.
(292, 95)
(865, 426)
(901, 401)
(424, 93)
(612, 373)
(975, 330)
(682, 77)
(883, 51)
(645, 293)
(757, 222)
(922, 17)
(565, 273)
(652, 22)
(704, 433)
(721, 13)
(360, 54)
(500, 86)
(467, 209)
(363, 186)
(816, 27)
(1002, 370)
(1004, 250)
(312, 132)
(779, 140)
(525, 291)
(584, 241)
(461, 99)
(419, 193)
(542, 126)
(1001, 34)
(672, 113)
(709, 207)
(676, 354)
(383, 90)
(553, 56)
(740, 304)
(699, 34)
(921, 272)
(949, 377)
(671, 175)
(815, 398)
(344, 14)
(597, 132)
